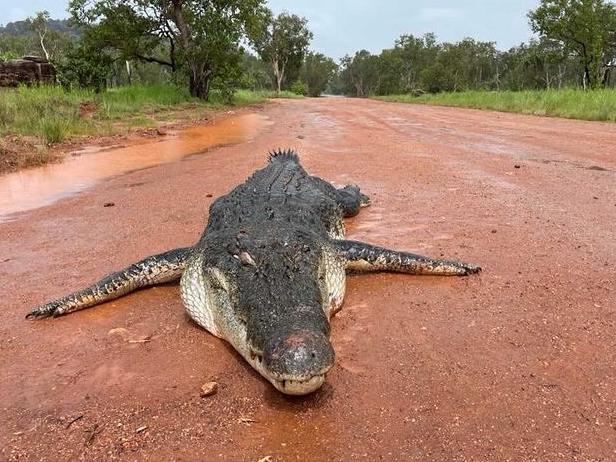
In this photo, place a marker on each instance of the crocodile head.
(267, 302)
(287, 327)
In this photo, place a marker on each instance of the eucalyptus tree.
(317, 71)
(283, 42)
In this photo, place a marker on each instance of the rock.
(209, 389)
(109, 204)
(30, 70)
(119, 331)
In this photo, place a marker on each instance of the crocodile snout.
(298, 361)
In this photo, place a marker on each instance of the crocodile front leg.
(366, 257)
(156, 269)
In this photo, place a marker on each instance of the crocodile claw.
(470, 269)
(44, 311)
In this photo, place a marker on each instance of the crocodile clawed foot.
(467, 269)
(45, 311)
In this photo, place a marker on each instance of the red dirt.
(517, 363)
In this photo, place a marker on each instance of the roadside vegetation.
(33, 119)
(567, 71)
(124, 66)
(598, 105)
(132, 64)
(51, 114)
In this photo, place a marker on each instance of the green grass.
(597, 105)
(52, 114)
(46, 112)
(247, 97)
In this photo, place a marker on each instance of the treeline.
(230, 44)
(221, 45)
(421, 64)
(576, 48)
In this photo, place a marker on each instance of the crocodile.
(268, 273)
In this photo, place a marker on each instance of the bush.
(299, 88)
(84, 67)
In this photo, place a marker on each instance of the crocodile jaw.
(299, 387)
(296, 386)
(208, 306)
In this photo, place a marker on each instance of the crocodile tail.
(284, 155)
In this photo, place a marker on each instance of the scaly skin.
(268, 272)
(156, 269)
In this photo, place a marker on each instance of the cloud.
(434, 14)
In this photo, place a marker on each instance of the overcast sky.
(344, 26)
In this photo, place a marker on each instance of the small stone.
(209, 389)
(109, 204)
(119, 331)
(516, 166)
(493, 231)
(141, 429)
(209, 195)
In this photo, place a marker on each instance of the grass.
(51, 115)
(599, 105)
(248, 97)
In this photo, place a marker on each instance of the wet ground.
(518, 363)
(33, 188)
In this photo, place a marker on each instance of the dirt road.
(518, 363)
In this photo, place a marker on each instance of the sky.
(342, 27)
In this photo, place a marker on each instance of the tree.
(200, 38)
(49, 40)
(283, 42)
(83, 66)
(361, 74)
(416, 54)
(38, 24)
(255, 73)
(316, 72)
(39, 35)
(586, 27)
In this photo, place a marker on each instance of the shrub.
(299, 88)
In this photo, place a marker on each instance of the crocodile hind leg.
(156, 269)
(365, 257)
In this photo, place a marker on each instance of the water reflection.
(30, 189)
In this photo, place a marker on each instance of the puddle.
(34, 188)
